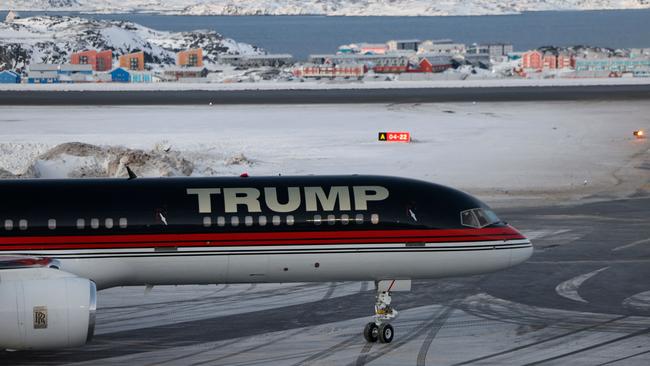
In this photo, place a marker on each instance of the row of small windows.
(108, 223)
(289, 220)
(81, 223)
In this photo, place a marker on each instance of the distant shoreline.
(177, 13)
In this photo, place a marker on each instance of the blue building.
(9, 77)
(140, 77)
(120, 75)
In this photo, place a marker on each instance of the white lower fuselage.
(289, 263)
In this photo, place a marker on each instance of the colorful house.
(132, 61)
(190, 58)
(100, 61)
(531, 60)
(9, 77)
(120, 75)
(431, 63)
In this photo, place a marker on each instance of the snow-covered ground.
(321, 7)
(328, 84)
(504, 152)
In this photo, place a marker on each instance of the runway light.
(639, 134)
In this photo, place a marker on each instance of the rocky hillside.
(52, 39)
(321, 7)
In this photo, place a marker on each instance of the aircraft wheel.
(371, 332)
(386, 333)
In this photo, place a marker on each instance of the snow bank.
(82, 160)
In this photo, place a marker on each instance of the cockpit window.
(478, 218)
(467, 218)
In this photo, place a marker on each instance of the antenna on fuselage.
(130, 173)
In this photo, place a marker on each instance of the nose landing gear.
(380, 329)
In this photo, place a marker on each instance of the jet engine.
(45, 308)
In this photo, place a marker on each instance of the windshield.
(478, 218)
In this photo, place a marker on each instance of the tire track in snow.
(569, 288)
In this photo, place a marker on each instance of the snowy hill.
(321, 7)
(52, 39)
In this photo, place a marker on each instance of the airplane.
(63, 240)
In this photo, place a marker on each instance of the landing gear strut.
(380, 329)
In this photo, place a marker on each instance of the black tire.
(370, 332)
(386, 333)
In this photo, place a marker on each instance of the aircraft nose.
(523, 253)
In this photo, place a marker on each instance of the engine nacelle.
(45, 308)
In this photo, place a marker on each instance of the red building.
(100, 61)
(549, 61)
(190, 58)
(432, 64)
(565, 61)
(132, 61)
(531, 60)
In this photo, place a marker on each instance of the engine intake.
(45, 308)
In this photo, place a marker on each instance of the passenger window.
(94, 223)
(51, 224)
(123, 223)
(276, 220)
(359, 219)
(248, 220)
(262, 220)
(374, 218)
(331, 219)
(317, 219)
(22, 224)
(234, 221)
(207, 221)
(81, 223)
(345, 219)
(9, 224)
(290, 220)
(221, 221)
(108, 223)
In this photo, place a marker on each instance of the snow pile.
(81, 160)
(322, 7)
(49, 39)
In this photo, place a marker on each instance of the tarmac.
(322, 96)
(582, 299)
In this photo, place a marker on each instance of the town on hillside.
(403, 60)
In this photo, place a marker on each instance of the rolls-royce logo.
(40, 317)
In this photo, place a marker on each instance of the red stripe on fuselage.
(267, 238)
